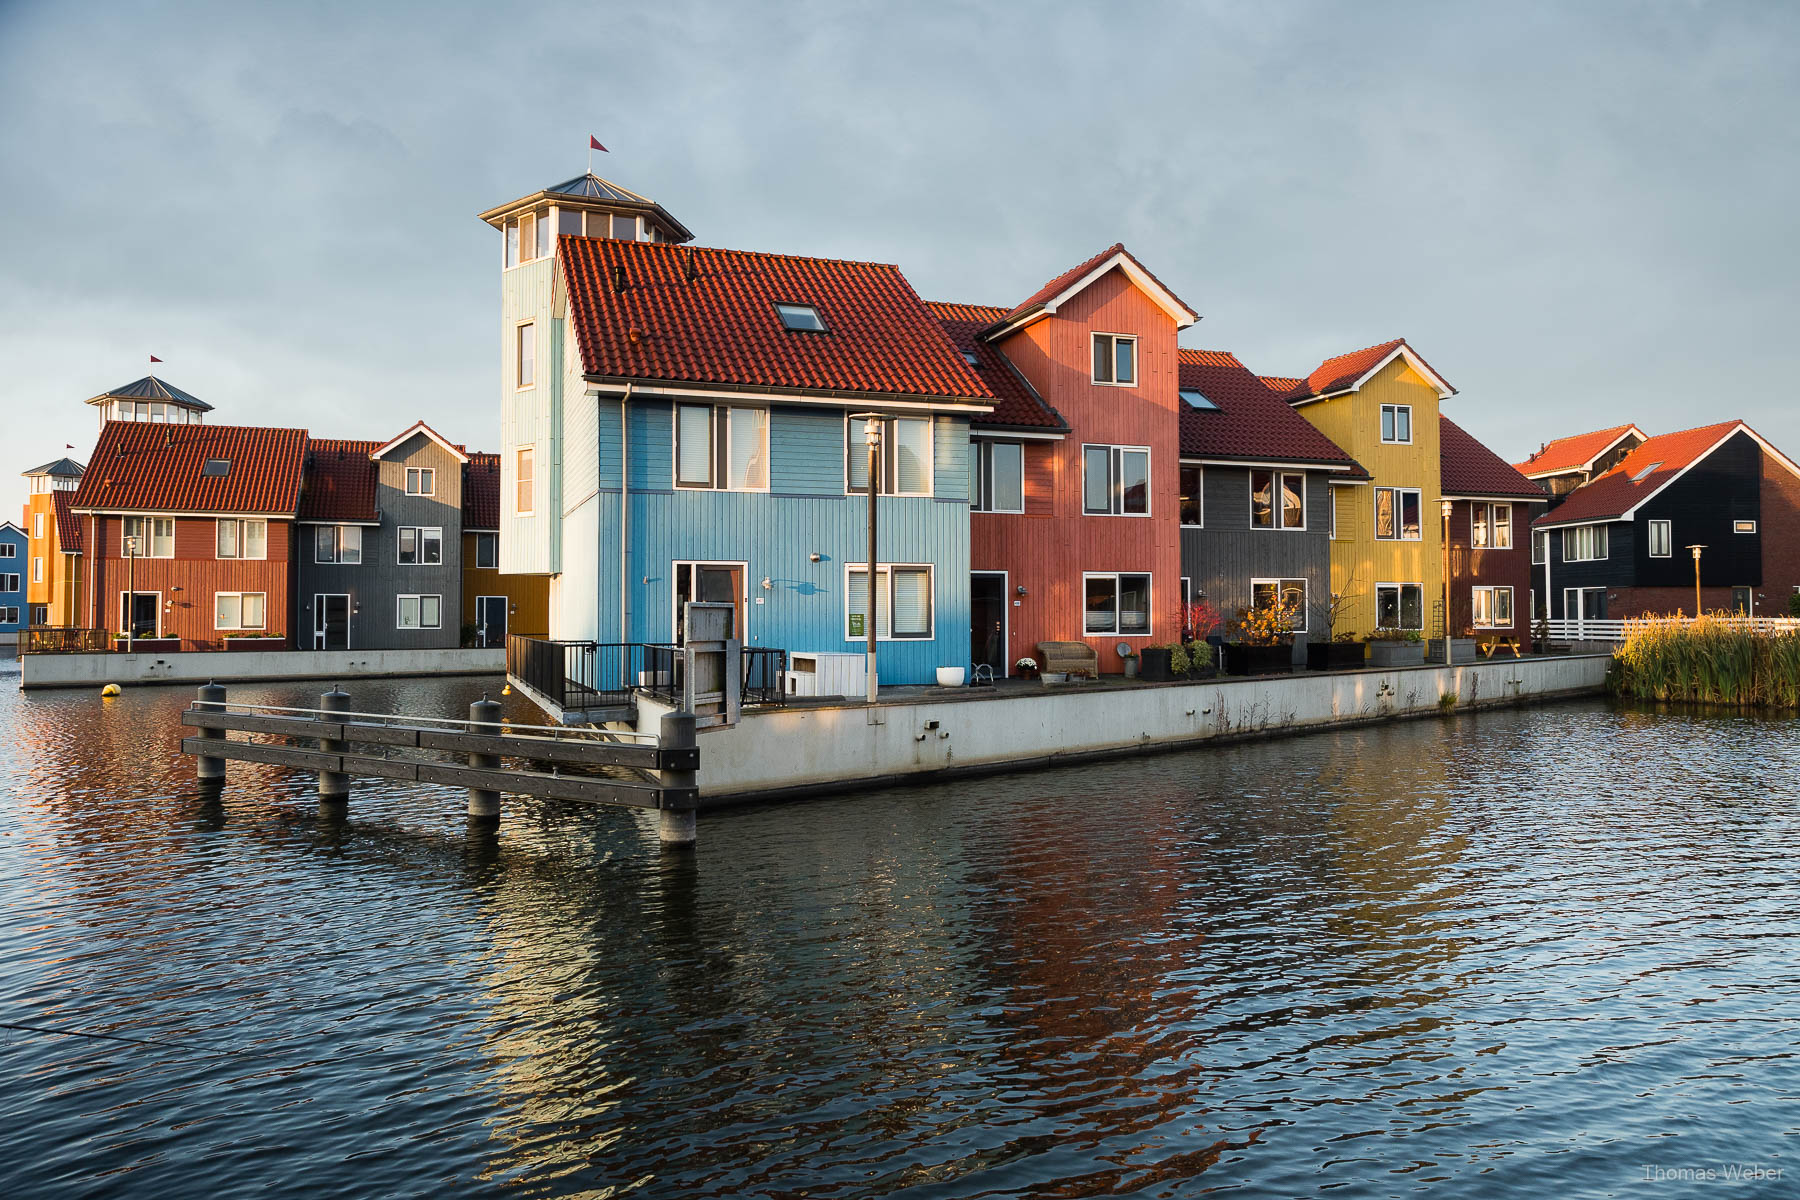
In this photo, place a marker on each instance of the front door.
(709, 583)
(138, 610)
(490, 620)
(1740, 601)
(331, 622)
(987, 620)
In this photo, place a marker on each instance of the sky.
(1580, 215)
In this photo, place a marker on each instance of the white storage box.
(820, 673)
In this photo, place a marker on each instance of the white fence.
(1580, 630)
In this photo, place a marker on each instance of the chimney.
(618, 277)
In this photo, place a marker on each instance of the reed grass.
(1709, 661)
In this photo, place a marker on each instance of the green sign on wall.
(856, 626)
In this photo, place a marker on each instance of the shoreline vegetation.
(1711, 659)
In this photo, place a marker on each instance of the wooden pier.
(552, 762)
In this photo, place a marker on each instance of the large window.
(1397, 514)
(154, 536)
(242, 539)
(487, 550)
(1193, 496)
(1490, 526)
(524, 482)
(418, 612)
(421, 481)
(1660, 537)
(1493, 607)
(1290, 593)
(338, 544)
(1117, 604)
(903, 602)
(419, 545)
(1277, 500)
(239, 610)
(1585, 543)
(721, 448)
(1400, 606)
(1116, 481)
(1115, 359)
(999, 477)
(905, 463)
(1396, 423)
(525, 355)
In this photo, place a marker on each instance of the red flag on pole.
(153, 358)
(594, 144)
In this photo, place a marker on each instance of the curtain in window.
(162, 537)
(228, 539)
(228, 612)
(912, 454)
(256, 539)
(253, 610)
(912, 602)
(749, 439)
(857, 602)
(1502, 514)
(428, 611)
(693, 445)
(1006, 477)
(856, 457)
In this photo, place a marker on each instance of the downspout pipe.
(625, 514)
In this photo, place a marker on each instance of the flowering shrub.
(1025, 664)
(1266, 624)
(1197, 620)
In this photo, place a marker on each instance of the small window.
(970, 357)
(1116, 604)
(1490, 526)
(1196, 399)
(487, 550)
(624, 228)
(526, 356)
(1116, 481)
(8, 550)
(1289, 593)
(418, 612)
(1399, 606)
(1115, 359)
(999, 477)
(1397, 515)
(1193, 500)
(242, 539)
(1277, 492)
(722, 447)
(340, 544)
(1743, 527)
(1396, 423)
(216, 468)
(1491, 607)
(1540, 547)
(1661, 538)
(903, 602)
(524, 482)
(905, 462)
(1585, 543)
(37, 527)
(421, 481)
(801, 318)
(528, 223)
(1645, 473)
(419, 546)
(37, 570)
(239, 610)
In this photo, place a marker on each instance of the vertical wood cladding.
(188, 583)
(1491, 567)
(1224, 554)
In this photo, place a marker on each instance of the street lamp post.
(1449, 651)
(1696, 551)
(130, 547)
(872, 436)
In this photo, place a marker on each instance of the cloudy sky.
(1579, 219)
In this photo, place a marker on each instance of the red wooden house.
(1075, 530)
(187, 530)
(1491, 509)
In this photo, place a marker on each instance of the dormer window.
(216, 468)
(1196, 399)
(801, 318)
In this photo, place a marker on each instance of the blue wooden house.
(14, 550)
(677, 424)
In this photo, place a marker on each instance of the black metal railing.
(578, 675)
(765, 676)
(664, 673)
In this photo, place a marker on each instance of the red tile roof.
(1658, 460)
(1468, 468)
(721, 326)
(1069, 277)
(68, 525)
(481, 492)
(1252, 422)
(1576, 452)
(1283, 385)
(340, 480)
(152, 467)
(1016, 404)
(1341, 372)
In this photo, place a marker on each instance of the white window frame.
(240, 626)
(1396, 410)
(1305, 595)
(491, 539)
(983, 451)
(1331, 512)
(784, 307)
(1540, 547)
(425, 477)
(1485, 526)
(1490, 593)
(525, 486)
(856, 443)
(418, 599)
(1112, 361)
(1596, 534)
(9, 615)
(150, 525)
(338, 533)
(1667, 528)
(241, 538)
(37, 527)
(1277, 511)
(10, 582)
(1399, 514)
(1199, 495)
(1118, 594)
(524, 332)
(1743, 527)
(885, 571)
(9, 550)
(1115, 492)
(1399, 586)
(719, 448)
(419, 532)
(37, 569)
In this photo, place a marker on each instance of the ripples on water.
(1514, 954)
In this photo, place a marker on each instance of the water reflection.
(1482, 954)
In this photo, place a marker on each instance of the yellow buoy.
(111, 689)
(507, 690)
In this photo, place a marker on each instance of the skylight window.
(970, 357)
(1644, 474)
(1197, 399)
(801, 318)
(217, 467)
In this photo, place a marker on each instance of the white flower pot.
(950, 676)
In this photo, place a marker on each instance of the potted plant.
(1026, 668)
(1339, 651)
(1156, 665)
(1397, 648)
(1462, 647)
(1265, 641)
(250, 640)
(1129, 657)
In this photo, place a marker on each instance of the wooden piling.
(485, 716)
(334, 786)
(211, 698)
(677, 828)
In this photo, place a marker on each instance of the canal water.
(1528, 953)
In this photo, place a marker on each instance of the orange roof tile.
(1468, 468)
(1640, 475)
(153, 467)
(1576, 452)
(340, 480)
(1251, 422)
(1016, 404)
(481, 492)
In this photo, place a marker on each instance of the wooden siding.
(533, 416)
(197, 571)
(60, 590)
(19, 564)
(1491, 567)
(1224, 554)
(1049, 548)
(529, 594)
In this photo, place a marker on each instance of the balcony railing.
(579, 675)
(47, 639)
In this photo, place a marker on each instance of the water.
(1515, 954)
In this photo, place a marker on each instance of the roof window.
(217, 467)
(801, 318)
(970, 357)
(1197, 399)
(1643, 474)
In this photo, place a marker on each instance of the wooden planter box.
(1462, 650)
(261, 643)
(1384, 653)
(149, 645)
(1258, 660)
(1334, 656)
(1153, 665)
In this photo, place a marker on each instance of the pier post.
(483, 803)
(207, 769)
(677, 828)
(334, 786)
